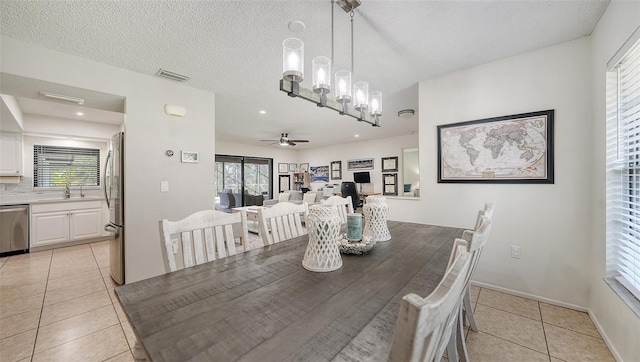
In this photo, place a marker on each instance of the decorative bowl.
(355, 247)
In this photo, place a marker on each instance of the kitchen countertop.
(42, 199)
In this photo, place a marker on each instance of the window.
(250, 176)
(623, 172)
(55, 166)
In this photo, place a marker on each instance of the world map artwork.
(493, 150)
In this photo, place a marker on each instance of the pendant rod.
(353, 71)
(332, 37)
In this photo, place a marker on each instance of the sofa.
(295, 197)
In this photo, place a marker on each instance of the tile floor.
(58, 305)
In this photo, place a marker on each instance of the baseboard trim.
(531, 296)
(595, 321)
(605, 338)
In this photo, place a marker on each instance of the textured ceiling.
(233, 48)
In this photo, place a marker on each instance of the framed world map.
(507, 149)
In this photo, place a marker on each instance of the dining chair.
(477, 240)
(424, 326)
(200, 237)
(345, 206)
(282, 221)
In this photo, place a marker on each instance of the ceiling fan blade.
(291, 143)
(298, 140)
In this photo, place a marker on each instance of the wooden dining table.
(262, 305)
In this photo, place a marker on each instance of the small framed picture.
(191, 157)
(293, 167)
(390, 183)
(283, 168)
(389, 164)
(304, 167)
(336, 170)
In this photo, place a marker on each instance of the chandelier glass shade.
(344, 93)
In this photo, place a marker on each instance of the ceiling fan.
(285, 141)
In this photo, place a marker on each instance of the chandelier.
(365, 105)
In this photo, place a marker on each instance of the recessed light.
(79, 113)
(263, 112)
(356, 135)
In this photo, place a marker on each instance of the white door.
(86, 224)
(49, 228)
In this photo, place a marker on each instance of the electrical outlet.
(164, 186)
(515, 252)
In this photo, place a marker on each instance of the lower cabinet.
(54, 223)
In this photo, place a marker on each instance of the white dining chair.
(425, 325)
(282, 221)
(477, 240)
(345, 206)
(200, 237)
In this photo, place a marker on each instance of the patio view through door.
(248, 178)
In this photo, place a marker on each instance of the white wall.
(546, 221)
(376, 149)
(64, 127)
(279, 155)
(148, 133)
(620, 324)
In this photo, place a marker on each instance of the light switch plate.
(164, 186)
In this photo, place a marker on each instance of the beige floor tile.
(58, 263)
(19, 323)
(80, 268)
(66, 330)
(129, 333)
(71, 280)
(511, 327)
(102, 257)
(105, 271)
(83, 248)
(30, 256)
(18, 306)
(97, 346)
(17, 347)
(23, 291)
(27, 263)
(485, 347)
(74, 291)
(510, 303)
(20, 280)
(475, 292)
(119, 311)
(122, 357)
(100, 244)
(553, 359)
(55, 312)
(569, 319)
(3, 260)
(572, 346)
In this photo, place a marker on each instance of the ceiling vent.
(171, 75)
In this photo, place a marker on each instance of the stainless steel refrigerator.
(114, 194)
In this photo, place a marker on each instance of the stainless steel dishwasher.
(14, 229)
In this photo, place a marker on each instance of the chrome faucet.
(67, 191)
(81, 193)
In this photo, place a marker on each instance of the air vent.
(171, 75)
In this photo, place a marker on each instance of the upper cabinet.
(10, 154)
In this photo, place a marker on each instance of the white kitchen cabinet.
(53, 223)
(10, 154)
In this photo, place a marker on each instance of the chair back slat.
(200, 237)
(345, 206)
(424, 325)
(282, 221)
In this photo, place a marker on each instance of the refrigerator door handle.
(106, 164)
(111, 228)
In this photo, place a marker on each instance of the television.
(361, 177)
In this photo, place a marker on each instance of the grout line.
(571, 330)
(544, 332)
(44, 295)
(517, 344)
(506, 311)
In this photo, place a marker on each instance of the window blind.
(55, 166)
(623, 172)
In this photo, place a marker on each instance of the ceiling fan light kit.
(293, 75)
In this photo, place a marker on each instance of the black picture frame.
(520, 144)
(390, 184)
(336, 170)
(390, 164)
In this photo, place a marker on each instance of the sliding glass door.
(249, 179)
